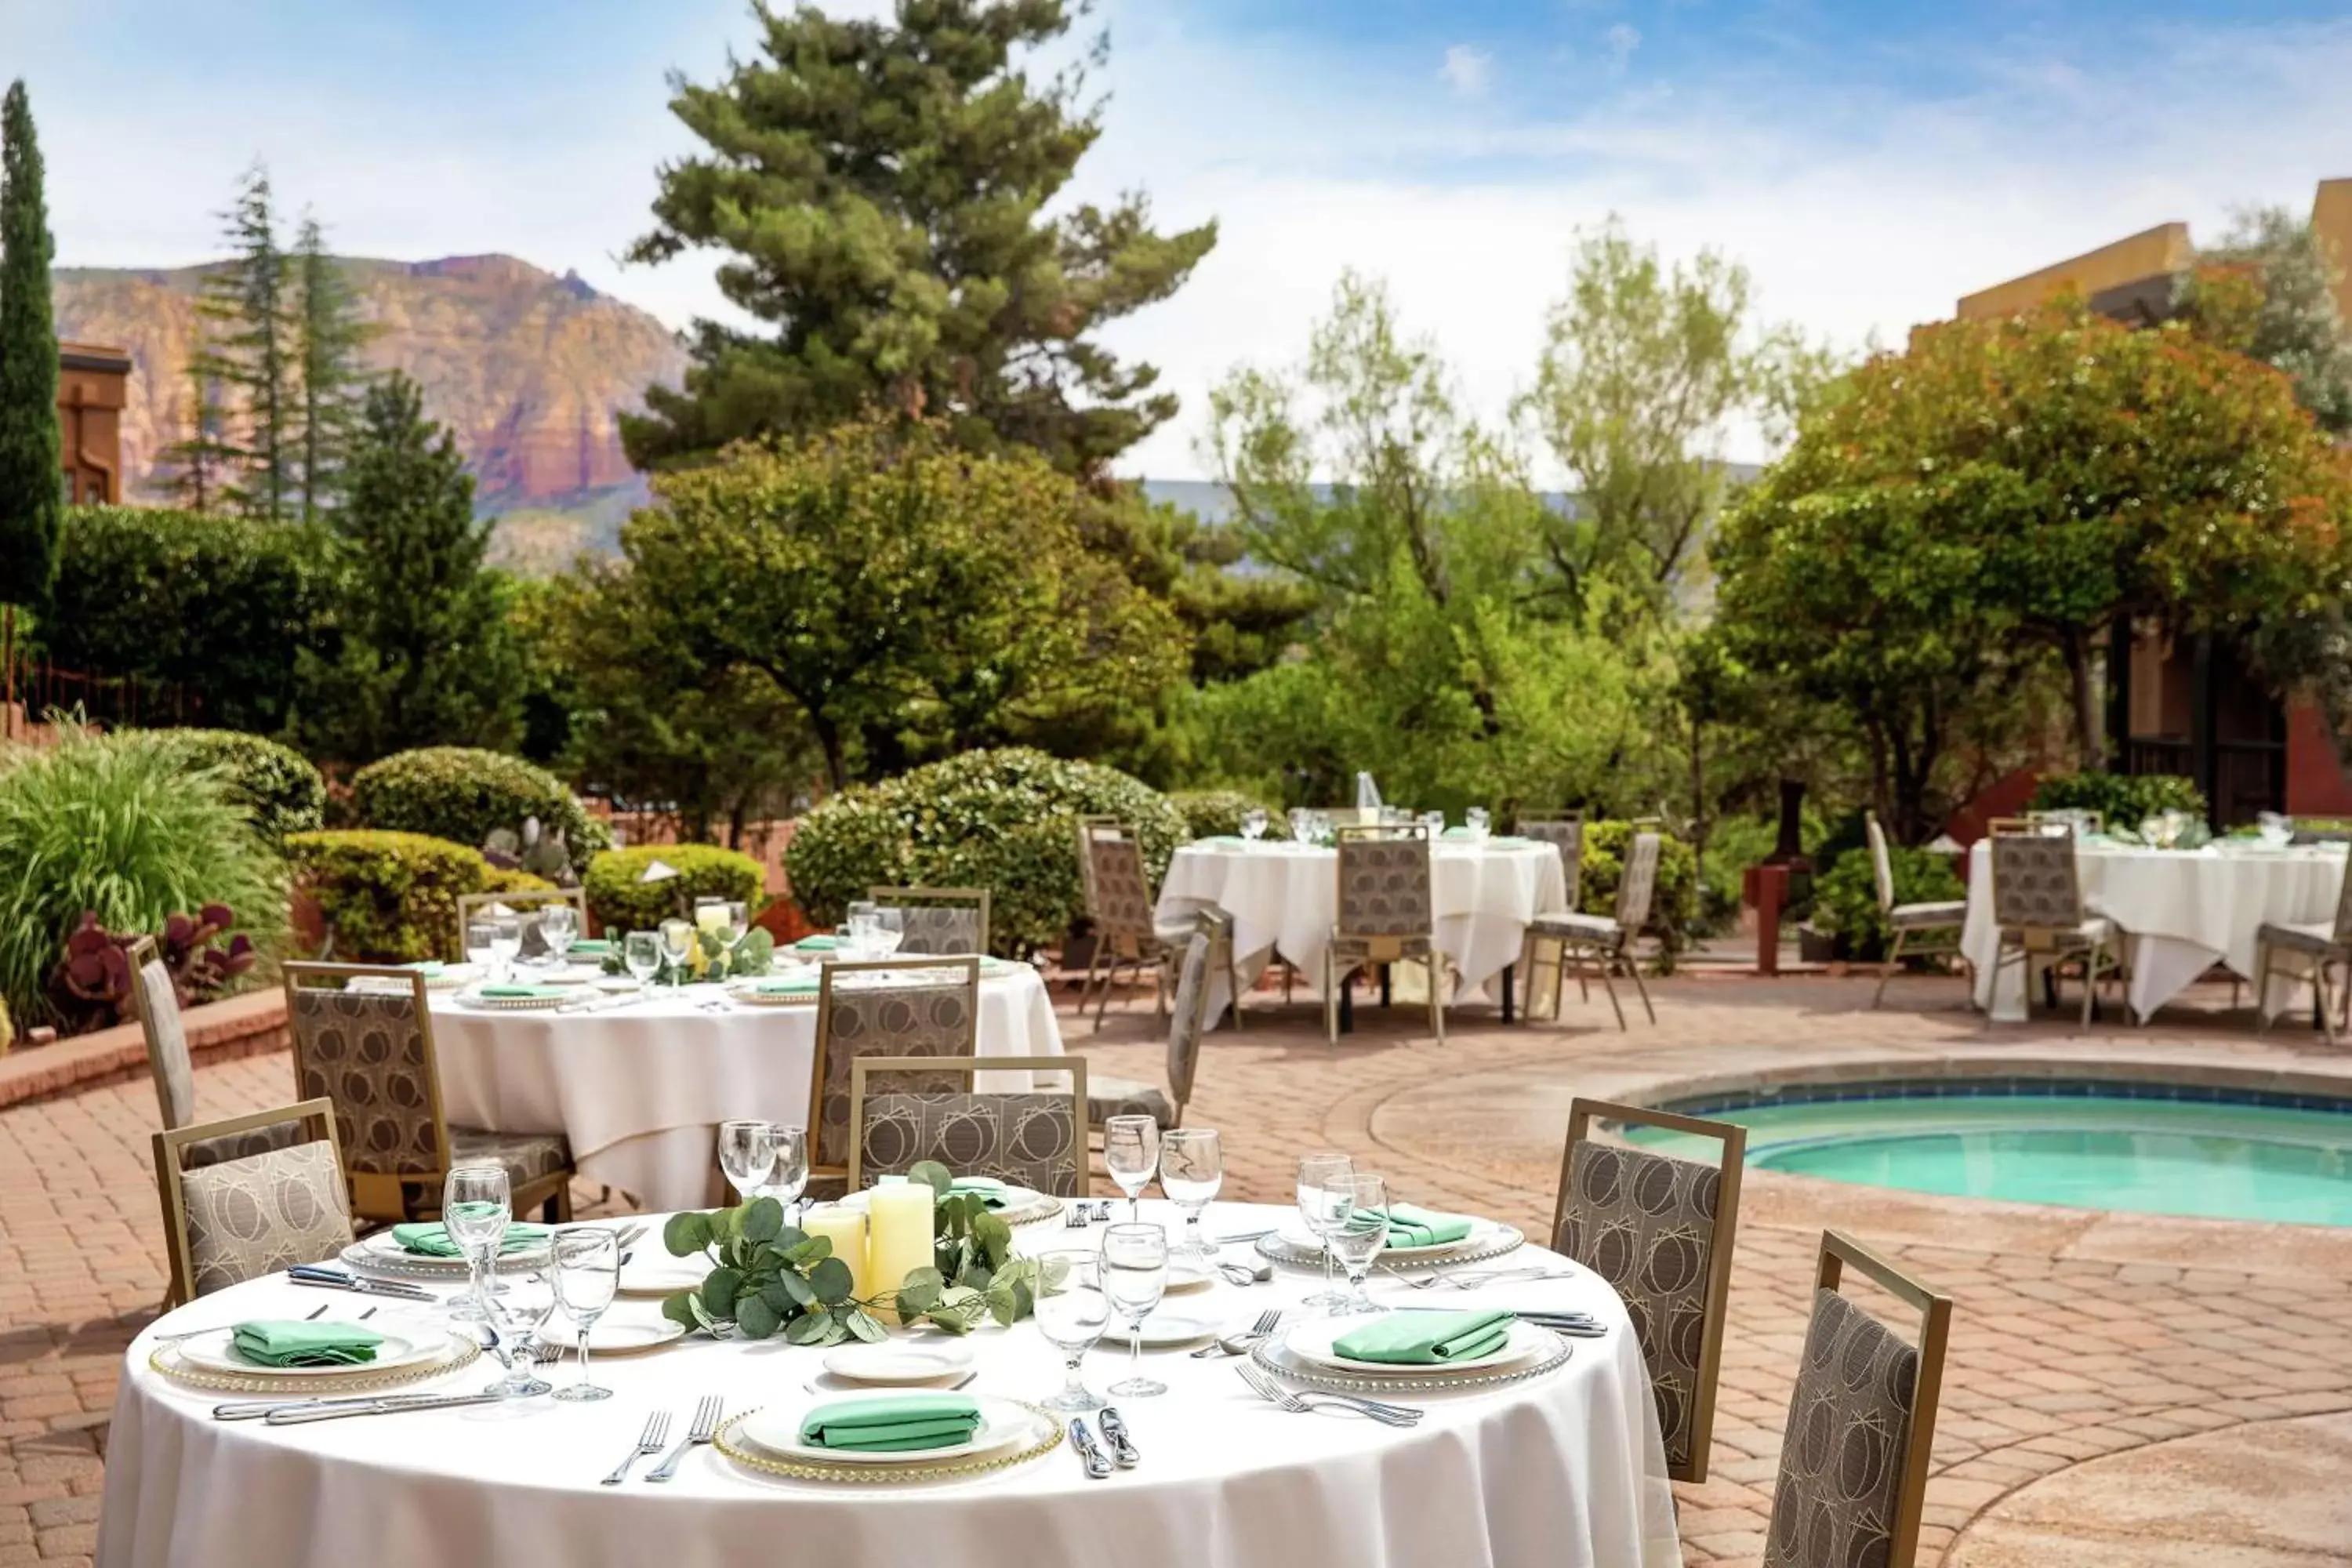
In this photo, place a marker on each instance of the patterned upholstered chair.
(1126, 936)
(527, 906)
(1567, 835)
(1853, 1460)
(897, 1007)
(1659, 1228)
(155, 1000)
(250, 1196)
(1035, 1139)
(2325, 945)
(1937, 926)
(1607, 941)
(2037, 903)
(370, 1052)
(1188, 1022)
(936, 920)
(1387, 915)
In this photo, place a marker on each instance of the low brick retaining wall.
(247, 1026)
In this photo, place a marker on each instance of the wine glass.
(1435, 822)
(887, 930)
(520, 1308)
(737, 924)
(480, 935)
(476, 1205)
(506, 942)
(1072, 1313)
(747, 1153)
(1135, 1276)
(1192, 1169)
(1131, 1153)
(1361, 1231)
(1253, 824)
(790, 1178)
(641, 955)
(1318, 1174)
(559, 924)
(677, 938)
(1476, 820)
(587, 1274)
(1298, 823)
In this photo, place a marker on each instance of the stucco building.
(93, 384)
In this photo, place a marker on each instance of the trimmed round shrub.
(274, 782)
(117, 825)
(2122, 800)
(1004, 820)
(463, 794)
(392, 897)
(1674, 902)
(1212, 813)
(622, 901)
(1845, 897)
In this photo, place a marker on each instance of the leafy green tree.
(423, 654)
(328, 336)
(30, 463)
(242, 310)
(879, 189)
(2268, 291)
(201, 459)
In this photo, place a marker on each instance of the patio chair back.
(1638, 884)
(1034, 1138)
(1384, 882)
(909, 1007)
(2036, 885)
(1568, 834)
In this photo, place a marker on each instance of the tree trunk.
(836, 763)
(2076, 649)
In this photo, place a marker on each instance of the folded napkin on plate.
(522, 993)
(1411, 1226)
(428, 967)
(308, 1343)
(991, 1190)
(589, 947)
(891, 1425)
(431, 1239)
(1426, 1338)
(817, 943)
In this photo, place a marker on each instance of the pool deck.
(2121, 1389)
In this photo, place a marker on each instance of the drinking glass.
(520, 1309)
(1361, 1231)
(480, 935)
(641, 955)
(559, 924)
(677, 938)
(738, 926)
(1435, 822)
(1192, 1169)
(1131, 1153)
(1477, 819)
(1253, 824)
(1135, 1276)
(476, 1205)
(1318, 1174)
(887, 930)
(1298, 819)
(747, 1153)
(1072, 1313)
(587, 1274)
(790, 1178)
(506, 942)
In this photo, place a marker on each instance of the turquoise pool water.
(2216, 1160)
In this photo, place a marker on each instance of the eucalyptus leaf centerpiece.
(769, 1277)
(711, 962)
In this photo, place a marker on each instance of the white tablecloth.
(641, 1090)
(2181, 911)
(1283, 897)
(1563, 1472)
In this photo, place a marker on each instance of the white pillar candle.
(845, 1228)
(899, 1237)
(710, 917)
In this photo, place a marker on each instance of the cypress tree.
(31, 466)
(328, 333)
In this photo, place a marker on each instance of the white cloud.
(1622, 38)
(1467, 69)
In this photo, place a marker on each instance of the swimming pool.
(2144, 1148)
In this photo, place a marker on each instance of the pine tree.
(879, 189)
(245, 299)
(31, 465)
(201, 459)
(328, 335)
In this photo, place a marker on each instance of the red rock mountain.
(528, 371)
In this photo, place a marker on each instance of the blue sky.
(1868, 162)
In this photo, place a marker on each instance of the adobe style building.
(93, 384)
(2186, 705)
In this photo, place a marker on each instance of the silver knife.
(254, 1409)
(289, 1417)
(1097, 1466)
(1114, 1432)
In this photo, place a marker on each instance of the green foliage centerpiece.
(770, 1278)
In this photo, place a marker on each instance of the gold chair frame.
(1732, 1162)
(827, 976)
(2039, 944)
(1385, 950)
(318, 1116)
(976, 898)
(1874, 833)
(469, 902)
(865, 1067)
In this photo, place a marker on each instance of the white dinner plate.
(1484, 1233)
(1174, 1323)
(617, 1336)
(1002, 1424)
(899, 1360)
(617, 985)
(216, 1351)
(1311, 1341)
(652, 1270)
(1187, 1275)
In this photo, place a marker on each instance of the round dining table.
(639, 1085)
(1562, 1470)
(1284, 897)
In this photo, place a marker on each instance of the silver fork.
(1475, 1277)
(1267, 1322)
(705, 1427)
(1299, 1405)
(656, 1429)
(1075, 1219)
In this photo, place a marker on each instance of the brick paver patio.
(2089, 1353)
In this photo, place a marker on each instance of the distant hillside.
(528, 369)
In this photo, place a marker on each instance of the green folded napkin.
(521, 992)
(817, 943)
(427, 967)
(1457, 833)
(431, 1238)
(1411, 1226)
(1426, 1338)
(991, 1191)
(891, 1425)
(589, 947)
(787, 985)
(291, 1343)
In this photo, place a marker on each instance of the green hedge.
(392, 897)
(1674, 905)
(274, 782)
(2122, 800)
(1004, 820)
(622, 903)
(1846, 898)
(1211, 812)
(461, 794)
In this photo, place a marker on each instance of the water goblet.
(476, 1205)
(1253, 824)
(746, 1155)
(1192, 1169)
(559, 925)
(518, 1309)
(886, 931)
(1298, 824)
(1435, 822)
(641, 955)
(737, 924)
(1362, 1230)
(1131, 1155)
(790, 1178)
(1135, 1276)
(677, 941)
(506, 942)
(1072, 1313)
(587, 1274)
(1318, 1174)
(1476, 820)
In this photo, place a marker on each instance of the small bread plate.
(905, 1362)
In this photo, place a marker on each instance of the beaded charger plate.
(1279, 1248)
(1023, 1205)
(381, 1256)
(167, 1360)
(732, 1443)
(1275, 1357)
